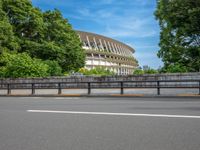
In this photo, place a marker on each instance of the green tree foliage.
(175, 68)
(21, 65)
(26, 20)
(180, 34)
(66, 43)
(43, 35)
(96, 71)
(54, 68)
(150, 71)
(140, 71)
(7, 39)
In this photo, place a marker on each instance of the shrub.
(96, 71)
(175, 68)
(54, 68)
(150, 71)
(21, 65)
(138, 72)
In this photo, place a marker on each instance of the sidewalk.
(104, 92)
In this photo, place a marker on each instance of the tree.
(150, 71)
(180, 33)
(27, 21)
(146, 70)
(47, 36)
(22, 65)
(97, 71)
(175, 68)
(54, 68)
(138, 72)
(64, 41)
(7, 39)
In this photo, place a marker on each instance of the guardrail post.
(59, 89)
(158, 87)
(89, 88)
(199, 87)
(8, 89)
(122, 88)
(33, 88)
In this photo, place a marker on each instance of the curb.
(110, 95)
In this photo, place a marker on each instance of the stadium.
(105, 52)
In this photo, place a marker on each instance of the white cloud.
(53, 3)
(85, 12)
(145, 55)
(124, 32)
(148, 58)
(146, 46)
(119, 25)
(129, 27)
(143, 46)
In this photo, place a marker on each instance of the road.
(80, 123)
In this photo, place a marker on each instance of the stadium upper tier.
(108, 53)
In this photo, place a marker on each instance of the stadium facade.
(105, 52)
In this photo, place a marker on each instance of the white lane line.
(68, 98)
(114, 114)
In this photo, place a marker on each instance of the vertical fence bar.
(33, 88)
(199, 87)
(59, 88)
(158, 87)
(8, 89)
(122, 88)
(89, 88)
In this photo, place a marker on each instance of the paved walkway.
(105, 92)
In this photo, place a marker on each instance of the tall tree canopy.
(43, 35)
(179, 22)
(7, 39)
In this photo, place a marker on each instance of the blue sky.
(129, 21)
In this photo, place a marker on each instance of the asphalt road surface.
(64, 123)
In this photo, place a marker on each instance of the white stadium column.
(127, 52)
(95, 43)
(110, 47)
(119, 52)
(115, 51)
(105, 60)
(119, 49)
(88, 42)
(99, 60)
(122, 51)
(106, 46)
(130, 53)
(92, 62)
(102, 48)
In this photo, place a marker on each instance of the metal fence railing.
(157, 84)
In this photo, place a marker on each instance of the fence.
(89, 85)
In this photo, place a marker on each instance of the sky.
(129, 21)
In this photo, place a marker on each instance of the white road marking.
(114, 114)
(67, 98)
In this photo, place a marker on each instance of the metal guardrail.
(157, 84)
